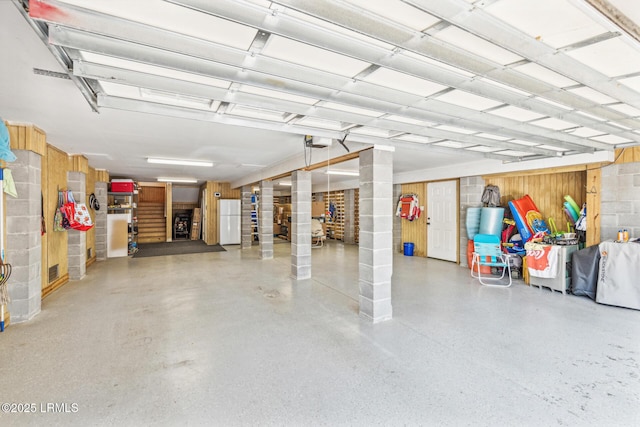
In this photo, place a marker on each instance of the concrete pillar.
(397, 221)
(24, 242)
(101, 221)
(265, 219)
(349, 217)
(471, 189)
(376, 240)
(77, 242)
(245, 220)
(301, 225)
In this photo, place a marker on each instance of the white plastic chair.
(317, 234)
(487, 252)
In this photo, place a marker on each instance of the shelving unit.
(122, 224)
(335, 228)
(254, 218)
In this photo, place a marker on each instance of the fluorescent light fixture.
(184, 180)
(285, 183)
(348, 173)
(180, 162)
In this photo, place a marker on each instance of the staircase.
(152, 227)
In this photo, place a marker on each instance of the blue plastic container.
(408, 249)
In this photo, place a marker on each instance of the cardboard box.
(317, 209)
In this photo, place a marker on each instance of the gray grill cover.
(584, 271)
(618, 282)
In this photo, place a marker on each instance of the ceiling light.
(183, 180)
(349, 173)
(285, 183)
(180, 162)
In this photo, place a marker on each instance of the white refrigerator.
(229, 212)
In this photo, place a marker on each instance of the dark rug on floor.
(178, 247)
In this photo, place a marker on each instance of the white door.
(442, 220)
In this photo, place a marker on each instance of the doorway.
(442, 220)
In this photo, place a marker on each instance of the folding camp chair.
(487, 252)
(317, 234)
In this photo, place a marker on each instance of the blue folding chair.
(487, 252)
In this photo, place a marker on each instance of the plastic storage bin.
(122, 186)
(408, 249)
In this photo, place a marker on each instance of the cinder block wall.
(471, 189)
(620, 200)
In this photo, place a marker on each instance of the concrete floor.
(228, 339)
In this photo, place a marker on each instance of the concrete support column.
(471, 189)
(301, 227)
(349, 217)
(265, 219)
(376, 229)
(245, 219)
(397, 221)
(101, 221)
(77, 242)
(23, 244)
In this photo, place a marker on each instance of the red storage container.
(122, 186)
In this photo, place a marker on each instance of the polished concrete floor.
(228, 339)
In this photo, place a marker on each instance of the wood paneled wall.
(628, 155)
(211, 216)
(547, 190)
(416, 231)
(57, 166)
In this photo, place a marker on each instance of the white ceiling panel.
(632, 82)
(455, 129)
(402, 12)
(585, 132)
(525, 143)
(467, 41)
(356, 110)
(152, 69)
(555, 104)
(503, 86)
(553, 123)
(437, 63)
(278, 95)
(311, 56)
(492, 136)
(483, 149)
(516, 113)
(370, 131)
(626, 109)
(546, 75)
(605, 57)
(552, 147)
(611, 139)
(321, 123)
(555, 22)
(414, 138)
(404, 82)
(468, 100)
(409, 120)
(256, 113)
(513, 153)
(338, 29)
(449, 144)
(593, 95)
(175, 18)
